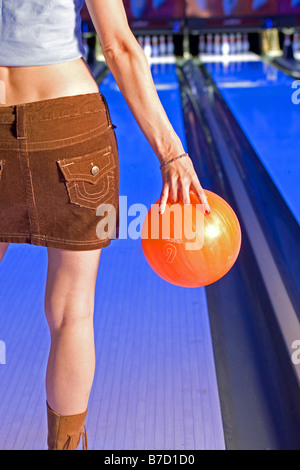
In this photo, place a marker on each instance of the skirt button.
(95, 170)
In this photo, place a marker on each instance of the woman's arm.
(131, 70)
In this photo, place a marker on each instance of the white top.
(40, 32)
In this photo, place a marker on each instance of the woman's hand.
(179, 177)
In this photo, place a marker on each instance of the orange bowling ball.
(187, 248)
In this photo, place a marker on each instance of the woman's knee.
(71, 311)
(70, 288)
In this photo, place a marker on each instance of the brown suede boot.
(64, 432)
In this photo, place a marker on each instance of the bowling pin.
(239, 43)
(217, 44)
(287, 41)
(162, 46)
(246, 44)
(296, 42)
(201, 44)
(229, 6)
(140, 40)
(148, 47)
(225, 45)
(232, 44)
(138, 8)
(287, 47)
(209, 44)
(155, 50)
(170, 46)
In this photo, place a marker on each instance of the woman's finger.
(185, 192)
(196, 186)
(174, 190)
(164, 198)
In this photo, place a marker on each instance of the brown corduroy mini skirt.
(59, 173)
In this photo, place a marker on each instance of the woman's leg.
(69, 308)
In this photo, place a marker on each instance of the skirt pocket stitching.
(87, 190)
(76, 197)
(2, 162)
(82, 193)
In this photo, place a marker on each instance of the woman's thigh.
(70, 287)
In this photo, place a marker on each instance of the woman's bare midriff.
(28, 84)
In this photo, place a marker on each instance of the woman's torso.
(27, 84)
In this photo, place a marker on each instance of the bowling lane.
(261, 99)
(155, 385)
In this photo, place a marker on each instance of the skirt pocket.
(90, 178)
